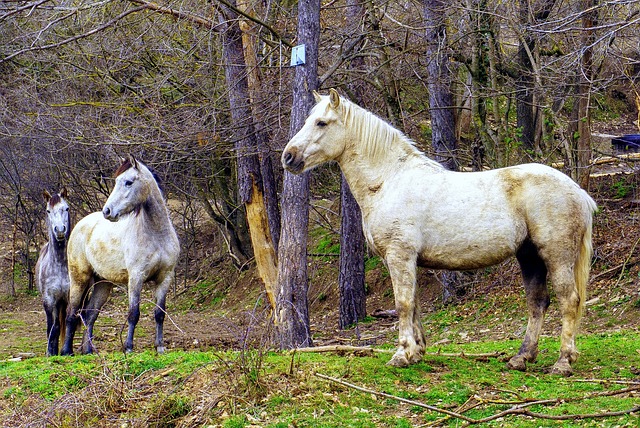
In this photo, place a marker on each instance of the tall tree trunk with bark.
(580, 126)
(527, 113)
(441, 105)
(441, 109)
(254, 80)
(353, 302)
(292, 308)
(250, 183)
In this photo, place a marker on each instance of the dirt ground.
(195, 321)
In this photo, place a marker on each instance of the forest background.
(204, 92)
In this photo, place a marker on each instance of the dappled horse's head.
(132, 189)
(321, 139)
(58, 221)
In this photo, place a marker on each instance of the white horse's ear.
(334, 98)
(133, 161)
(63, 192)
(317, 96)
(46, 195)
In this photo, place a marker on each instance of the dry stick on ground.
(519, 409)
(626, 261)
(370, 351)
(622, 266)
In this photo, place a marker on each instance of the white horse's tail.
(583, 263)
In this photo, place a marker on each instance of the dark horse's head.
(58, 221)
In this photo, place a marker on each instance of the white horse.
(131, 241)
(52, 274)
(415, 212)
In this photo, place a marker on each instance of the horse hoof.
(398, 360)
(160, 349)
(517, 363)
(562, 369)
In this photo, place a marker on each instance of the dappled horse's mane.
(126, 164)
(376, 134)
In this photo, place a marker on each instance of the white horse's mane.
(378, 136)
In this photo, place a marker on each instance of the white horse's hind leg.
(99, 296)
(564, 285)
(534, 276)
(402, 268)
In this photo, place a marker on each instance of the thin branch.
(370, 351)
(257, 21)
(74, 38)
(393, 397)
(519, 409)
(194, 19)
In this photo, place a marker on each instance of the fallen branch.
(393, 397)
(367, 350)
(611, 271)
(518, 409)
(605, 381)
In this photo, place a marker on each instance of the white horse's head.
(321, 139)
(57, 215)
(131, 190)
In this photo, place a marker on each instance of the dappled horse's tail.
(583, 263)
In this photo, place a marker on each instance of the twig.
(618, 382)
(393, 397)
(616, 268)
(626, 261)
(370, 351)
(519, 409)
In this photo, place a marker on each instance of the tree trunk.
(250, 184)
(353, 307)
(441, 109)
(353, 301)
(292, 309)
(580, 126)
(528, 115)
(266, 164)
(441, 106)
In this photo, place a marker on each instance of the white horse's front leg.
(134, 290)
(402, 268)
(159, 313)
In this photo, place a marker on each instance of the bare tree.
(292, 308)
(439, 81)
(351, 283)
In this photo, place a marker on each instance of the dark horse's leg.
(53, 328)
(534, 275)
(90, 312)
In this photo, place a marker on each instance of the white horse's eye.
(321, 123)
(128, 183)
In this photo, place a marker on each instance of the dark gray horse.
(52, 273)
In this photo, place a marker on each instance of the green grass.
(275, 389)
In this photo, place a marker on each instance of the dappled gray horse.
(415, 212)
(52, 275)
(131, 241)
